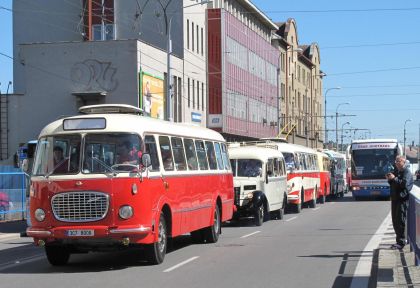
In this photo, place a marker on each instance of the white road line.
(21, 262)
(181, 264)
(290, 219)
(363, 268)
(250, 234)
(316, 208)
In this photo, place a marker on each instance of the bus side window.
(276, 167)
(179, 155)
(166, 153)
(191, 155)
(270, 167)
(218, 156)
(282, 167)
(151, 148)
(211, 155)
(201, 155)
(225, 156)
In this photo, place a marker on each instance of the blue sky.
(369, 48)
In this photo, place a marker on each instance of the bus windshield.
(372, 163)
(246, 167)
(100, 153)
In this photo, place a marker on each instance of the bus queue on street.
(110, 178)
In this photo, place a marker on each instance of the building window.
(198, 40)
(193, 94)
(188, 93)
(103, 32)
(202, 96)
(192, 33)
(198, 95)
(188, 34)
(202, 42)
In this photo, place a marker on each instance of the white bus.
(303, 182)
(260, 181)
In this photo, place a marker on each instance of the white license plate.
(78, 233)
(375, 193)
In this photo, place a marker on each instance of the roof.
(259, 14)
(130, 123)
(374, 141)
(253, 152)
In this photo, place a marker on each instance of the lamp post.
(336, 123)
(168, 24)
(342, 132)
(325, 110)
(408, 120)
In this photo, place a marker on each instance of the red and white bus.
(123, 180)
(324, 164)
(302, 174)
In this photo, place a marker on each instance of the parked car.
(4, 205)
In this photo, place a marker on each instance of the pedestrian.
(401, 182)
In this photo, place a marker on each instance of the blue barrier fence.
(12, 194)
(413, 223)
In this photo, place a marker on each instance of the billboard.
(152, 95)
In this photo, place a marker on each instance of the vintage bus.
(260, 182)
(338, 173)
(371, 159)
(302, 174)
(111, 178)
(324, 164)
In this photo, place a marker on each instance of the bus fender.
(257, 199)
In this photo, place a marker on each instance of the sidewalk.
(394, 268)
(12, 229)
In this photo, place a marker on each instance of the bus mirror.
(25, 165)
(145, 160)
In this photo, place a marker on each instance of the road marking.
(22, 261)
(290, 219)
(250, 234)
(362, 273)
(316, 208)
(181, 264)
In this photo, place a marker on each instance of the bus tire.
(312, 203)
(322, 198)
(259, 216)
(156, 252)
(57, 255)
(211, 234)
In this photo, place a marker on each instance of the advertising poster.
(152, 96)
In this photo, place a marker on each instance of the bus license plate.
(78, 233)
(375, 193)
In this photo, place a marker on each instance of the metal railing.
(413, 223)
(12, 195)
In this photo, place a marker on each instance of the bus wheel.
(156, 252)
(259, 215)
(211, 234)
(322, 198)
(312, 203)
(57, 255)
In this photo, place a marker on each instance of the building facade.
(242, 71)
(301, 99)
(112, 51)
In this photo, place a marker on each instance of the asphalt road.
(317, 248)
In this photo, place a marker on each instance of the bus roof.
(374, 141)
(288, 147)
(253, 152)
(131, 123)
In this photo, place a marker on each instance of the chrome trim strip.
(36, 233)
(141, 229)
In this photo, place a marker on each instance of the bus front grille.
(80, 206)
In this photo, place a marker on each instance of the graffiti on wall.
(94, 75)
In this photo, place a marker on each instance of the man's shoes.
(397, 246)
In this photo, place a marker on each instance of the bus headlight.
(39, 215)
(355, 188)
(126, 212)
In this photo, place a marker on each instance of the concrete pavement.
(390, 268)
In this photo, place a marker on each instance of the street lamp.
(168, 25)
(408, 120)
(342, 132)
(325, 110)
(336, 123)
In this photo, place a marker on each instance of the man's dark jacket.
(401, 185)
